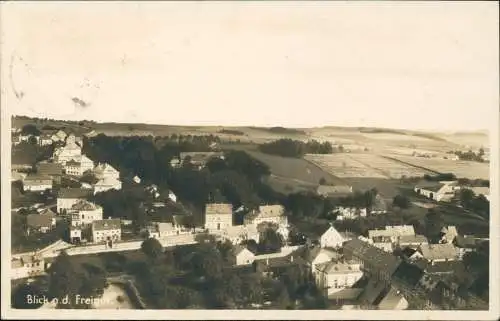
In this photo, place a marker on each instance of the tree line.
(293, 148)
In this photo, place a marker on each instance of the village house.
(383, 242)
(242, 255)
(37, 183)
(84, 213)
(68, 152)
(218, 216)
(335, 276)
(330, 237)
(53, 170)
(106, 231)
(42, 223)
(448, 234)
(466, 244)
(238, 233)
(438, 252)
(28, 265)
(374, 261)
(267, 213)
(67, 197)
(59, 136)
(136, 179)
(161, 230)
(437, 191)
(107, 184)
(75, 234)
(72, 167)
(394, 232)
(318, 255)
(334, 190)
(412, 241)
(106, 171)
(275, 266)
(45, 140)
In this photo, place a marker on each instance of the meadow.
(462, 169)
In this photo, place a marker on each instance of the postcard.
(250, 160)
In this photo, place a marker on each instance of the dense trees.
(152, 248)
(401, 201)
(67, 279)
(30, 129)
(475, 203)
(294, 148)
(433, 225)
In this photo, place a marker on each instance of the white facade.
(336, 276)
(37, 185)
(106, 230)
(65, 204)
(244, 257)
(106, 171)
(107, 184)
(218, 216)
(84, 213)
(331, 238)
(267, 214)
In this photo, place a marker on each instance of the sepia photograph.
(250, 160)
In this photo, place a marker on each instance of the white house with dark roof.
(438, 191)
(218, 216)
(67, 197)
(318, 255)
(161, 230)
(40, 223)
(334, 276)
(238, 233)
(243, 256)
(83, 213)
(37, 183)
(106, 230)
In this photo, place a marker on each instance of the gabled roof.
(438, 251)
(239, 249)
(316, 251)
(109, 224)
(335, 267)
(37, 220)
(47, 212)
(84, 205)
(73, 193)
(376, 257)
(219, 209)
(45, 168)
(271, 210)
(430, 186)
(391, 300)
(37, 177)
(412, 239)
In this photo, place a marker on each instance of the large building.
(218, 216)
(37, 183)
(334, 276)
(437, 191)
(67, 197)
(267, 214)
(83, 213)
(106, 171)
(106, 231)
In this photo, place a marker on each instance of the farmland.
(462, 169)
(364, 165)
(295, 169)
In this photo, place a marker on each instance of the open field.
(462, 169)
(363, 165)
(295, 169)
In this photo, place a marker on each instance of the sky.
(427, 65)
